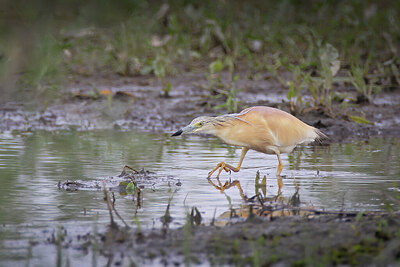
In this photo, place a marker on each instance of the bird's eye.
(200, 124)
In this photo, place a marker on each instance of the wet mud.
(329, 239)
(119, 183)
(137, 103)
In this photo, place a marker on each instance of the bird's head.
(199, 125)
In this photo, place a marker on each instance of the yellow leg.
(224, 166)
(280, 165)
(280, 183)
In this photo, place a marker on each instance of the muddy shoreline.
(287, 240)
(137, 103)
(347, 239)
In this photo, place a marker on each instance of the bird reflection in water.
(260, 187)
(260, 204)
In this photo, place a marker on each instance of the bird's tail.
(320, 135)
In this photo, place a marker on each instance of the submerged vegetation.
(322, 43)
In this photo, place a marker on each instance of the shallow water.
(359, 176)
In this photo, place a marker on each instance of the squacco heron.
(263, 129)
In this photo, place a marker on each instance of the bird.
(264, 129)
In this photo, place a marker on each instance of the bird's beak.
(178, 133)
(184, 130)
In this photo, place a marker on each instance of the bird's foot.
(221, 166)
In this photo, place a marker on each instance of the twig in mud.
(213, 219)
(137, 192)
(315, 212)
(294, 200)
(167, 218)
(124, 173)
(113, 199)
(260, 199)
(139, 198)
(109, 206)
(116, 213)
(184, 200)
(251, 213)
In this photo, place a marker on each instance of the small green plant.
(321, 86)
(131, 188)
(218, 89)
(138, 226)
(274, 67)
(159, 68)
(262, 185)
(360, 120)
(230, 93)
(123, 51)
(214, 77)
(382, 228)
(359, 216)
(295, 88)
(366, 87)
(257, 251)
(166, 89)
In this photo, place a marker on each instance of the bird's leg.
(280, 183)
(224, 166)
(278, 171)
(221, 166)
(280, 165)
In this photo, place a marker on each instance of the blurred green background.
(47, 44)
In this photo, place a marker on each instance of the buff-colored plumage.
(264, 129)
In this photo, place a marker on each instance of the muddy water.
(358, 176)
